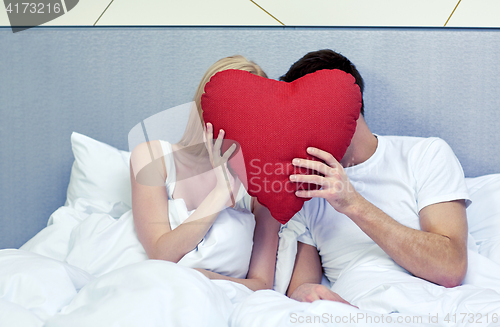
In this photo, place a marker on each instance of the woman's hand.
(219, 162)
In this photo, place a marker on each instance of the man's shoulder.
(410, 140)
(422, 155)
(408, 144)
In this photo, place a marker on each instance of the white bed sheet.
(87, 268)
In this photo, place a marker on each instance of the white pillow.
(100, 172)
(483, 214)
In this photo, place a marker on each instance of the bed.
(65, 195)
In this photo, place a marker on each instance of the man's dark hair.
(323, 59)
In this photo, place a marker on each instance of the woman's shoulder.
(146, 152)
(148, 157)
(147, 149)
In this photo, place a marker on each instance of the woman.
(194, 220)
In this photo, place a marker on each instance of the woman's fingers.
(229, 152)
(209, 139)
(218, 142)
(214, 149)
(210, 136)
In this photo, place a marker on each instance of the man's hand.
(437, 252)
(208, 274)
(335, 185)
(309, 292)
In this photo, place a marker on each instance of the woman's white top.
(227, 247)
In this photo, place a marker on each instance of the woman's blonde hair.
(193, 135)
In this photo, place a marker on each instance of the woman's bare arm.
(263, 261)
(150, 207)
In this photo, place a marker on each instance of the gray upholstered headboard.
(103, 81)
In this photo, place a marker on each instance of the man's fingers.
(341, 300)
(323, 155)
(318, 166)
(312, 179)
(311, 297)
(327, 294)
(327, 185)
(310, 194)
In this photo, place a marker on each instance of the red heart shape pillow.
(274, 122)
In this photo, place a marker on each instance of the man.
(407, 195)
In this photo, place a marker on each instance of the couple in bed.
(402, 198)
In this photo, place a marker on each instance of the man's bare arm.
(306, 277)
(307, 268)
(437, 253)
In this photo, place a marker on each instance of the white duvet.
(87, 268)
(386, 296)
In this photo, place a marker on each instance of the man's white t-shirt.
(404, 175)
